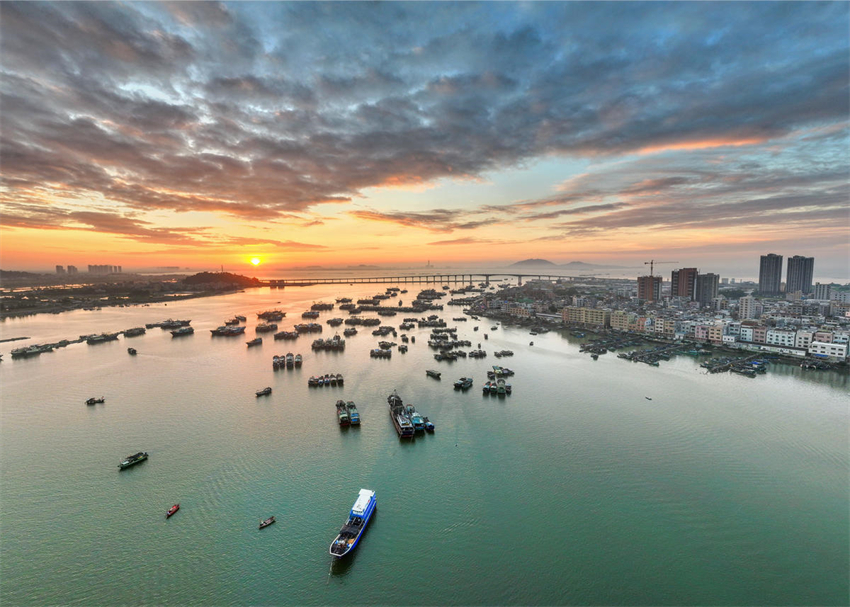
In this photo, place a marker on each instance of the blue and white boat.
(356, 523)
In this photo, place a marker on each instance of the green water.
(576, 489)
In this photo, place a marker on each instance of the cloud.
(257, 110)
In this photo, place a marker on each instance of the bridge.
(412, 279)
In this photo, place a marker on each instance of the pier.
(412, 279)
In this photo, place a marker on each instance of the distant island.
(221, 277)
(573, 265)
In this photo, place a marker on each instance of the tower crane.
(652, 262)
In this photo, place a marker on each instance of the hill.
(532, 263)
(226, 277)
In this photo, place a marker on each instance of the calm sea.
(576, 489)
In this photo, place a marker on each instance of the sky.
(202, 135)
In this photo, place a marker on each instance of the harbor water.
(575, 489)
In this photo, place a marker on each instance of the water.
(575, 489)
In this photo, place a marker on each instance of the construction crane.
(652, 262)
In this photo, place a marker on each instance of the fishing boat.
(342, 413)
(429, 426)
(298, 360)
(434, 374)
(353, 413)
(254, 342)
(182, 331)
(464, 383)
(240, 318)
(355, 524)
(266, 522)
(290, 360)
(339, 379)
(487, 388)
(172, 510)
(500, 386)
(132, 460)
(415, 418)
(399, 416)
(508, 388)
(95, 401)
(264, 392)
(132, 351)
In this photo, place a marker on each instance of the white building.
(819, 348)
(781, 337)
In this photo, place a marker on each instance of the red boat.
(172, 510)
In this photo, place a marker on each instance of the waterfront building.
(759, 335)
(683, 283)
(746, 334)
(770, 274)
(799, 274)
(706, 290)
(781, 337)
(803, 339)
(586, 316)
(649, 288)
(830, 350)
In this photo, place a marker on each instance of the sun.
(255, 261)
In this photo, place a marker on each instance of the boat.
(132, 351)
(95, 401)
(103, 337)
(464, 383)
(265, 391)
(266, 522)
(132, 460)
(429, 426)
(135, 331)
(339, 379)
(342, 413)
(228, 330)
(399, 416)
(647, 398)
(264, 327)
(531, 343)
(487, 388)
(434, 374)
(232, 321)
(508, 388)
(353, 413)
(255, 342)
(298, 360)
(172, 510)
(182, 331)
(415, 418)
(290, 360)
(355, 524)
(240, 318)
(594, 356)
(500, 386)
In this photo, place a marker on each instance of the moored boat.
(264, 392)
(255, 342)
(182, 331)
(298, 360)
(353, 413)
(132, 460)
(429, 426)
(355, 524)
(267, 522)
(172, 510)
(132, 351)
(399, 416)
(342, 413)
(434, 374)
(95, 401)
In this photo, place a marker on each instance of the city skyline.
(205, 134)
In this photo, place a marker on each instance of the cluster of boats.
(406, 418)
(497, 387)
(288, 361)
(265, 327)
(182, 331)
(347, 413)
(502, 353)
(329, 379)
(168, 324)
(269, 315)
(228, 330)
(286, 335)
(464, 383)
(380, 353)
(310, 327)
(310, 314)
(334, 343)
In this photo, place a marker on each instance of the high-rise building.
(72, 269)
(747, 308)
(799, 276)
(770, 274)
(649, 288)
(60, 270)
(684, 282)
(706, 291)
(821, 291)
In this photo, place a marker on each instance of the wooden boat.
(172, 510)
(264, 392)
(266, 522)
(95, 401)
(132, 351)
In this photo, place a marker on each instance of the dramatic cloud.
(264, 110)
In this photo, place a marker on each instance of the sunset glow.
(494, 133)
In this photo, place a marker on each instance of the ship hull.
(373, 504)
